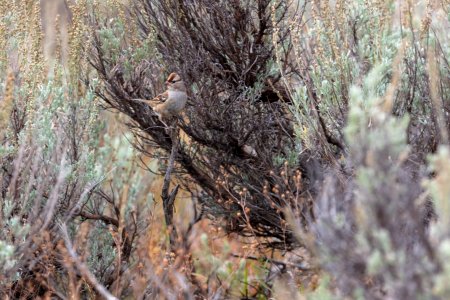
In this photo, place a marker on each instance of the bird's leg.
(167, 126)
(172, 121)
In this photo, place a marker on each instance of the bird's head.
(175, 83)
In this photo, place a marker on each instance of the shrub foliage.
(312, 126)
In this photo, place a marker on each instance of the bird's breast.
(177, 95)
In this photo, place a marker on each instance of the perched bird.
(173, 100)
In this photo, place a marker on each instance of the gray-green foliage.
(373, 210)
(383, 238)
(374, 219)
(53, 154)
(439, 232)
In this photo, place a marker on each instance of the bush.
(315, 137)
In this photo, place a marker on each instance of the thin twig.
(277, 262)
(169, 199)
(83, 268)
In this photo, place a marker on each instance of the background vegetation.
(312, 160)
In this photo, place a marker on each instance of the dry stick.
(84, 270)
(436, 100)
(301, 267)
(168, 198)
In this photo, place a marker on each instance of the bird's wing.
(155, 101)
(161, 97)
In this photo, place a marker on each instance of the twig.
(169, 199)
(107, 220)
(83, 268)
(277, 262)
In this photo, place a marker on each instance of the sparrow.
(173, 99)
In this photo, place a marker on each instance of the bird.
(173, 99)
